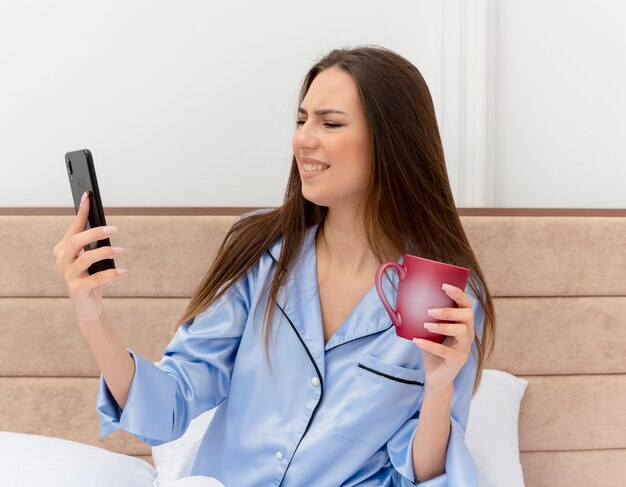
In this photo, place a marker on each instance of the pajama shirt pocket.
(381, 397)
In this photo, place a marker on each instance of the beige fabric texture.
(559, 291)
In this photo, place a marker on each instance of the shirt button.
(279, 455)
(315, 381)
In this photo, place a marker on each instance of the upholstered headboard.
(559, 287)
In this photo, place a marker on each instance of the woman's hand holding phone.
(72, 262)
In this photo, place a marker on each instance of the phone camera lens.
(69, 166)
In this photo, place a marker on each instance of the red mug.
(419, 289)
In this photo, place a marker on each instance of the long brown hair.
(408, 201)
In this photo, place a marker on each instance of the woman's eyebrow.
(322, 111)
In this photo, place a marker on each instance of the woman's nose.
(305, 136)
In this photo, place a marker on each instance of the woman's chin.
(314, 198)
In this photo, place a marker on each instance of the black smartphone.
(82, 176)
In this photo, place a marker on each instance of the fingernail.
(418, 341)
(109, 230)
(122, 272)
(83, 199)
(430, 326)
(447, 287)
(434, 312)
(118, 250)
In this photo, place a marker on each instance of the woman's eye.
(328, 124)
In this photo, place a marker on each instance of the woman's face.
(339, 141)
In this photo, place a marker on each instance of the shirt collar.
(299, 300)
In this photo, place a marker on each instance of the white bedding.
(33, 460)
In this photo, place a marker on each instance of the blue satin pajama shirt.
(341, 413)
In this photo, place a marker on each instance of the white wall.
(560, 98)
(192, 103)
(187, 103)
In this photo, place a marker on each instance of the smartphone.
(82, 175)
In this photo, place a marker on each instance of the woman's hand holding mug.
(443, 361)
(445, 339)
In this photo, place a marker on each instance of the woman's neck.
(342, 243)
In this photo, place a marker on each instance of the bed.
(559, 287)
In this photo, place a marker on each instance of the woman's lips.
(312, 162)
(312, 174)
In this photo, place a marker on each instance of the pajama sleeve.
(193, 375)
(460, 467)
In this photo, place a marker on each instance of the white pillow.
(174, 460)
(491, 434)
(31, 460)
(195, 481)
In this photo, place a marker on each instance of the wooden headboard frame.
(236, 211)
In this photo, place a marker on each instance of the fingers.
(83, 285)
(80, 222)
(435, 348)
(86, 259)
(78, 241)
(72, 260)
(464, 313)
(459, 296)
(449, 354)
(78, 225)
(458, 330)
(452, 314)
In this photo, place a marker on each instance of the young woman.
(317, 390)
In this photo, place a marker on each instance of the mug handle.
(395, 317)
